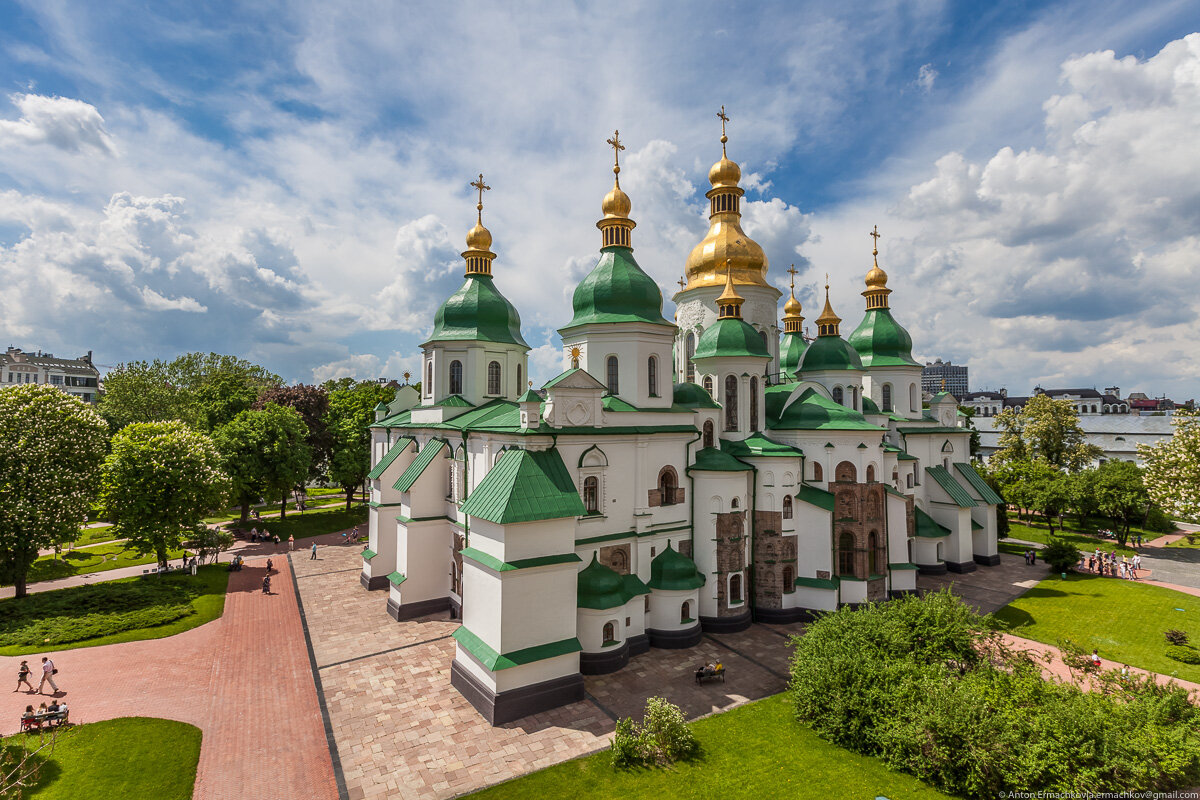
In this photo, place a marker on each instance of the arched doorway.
(845, 472)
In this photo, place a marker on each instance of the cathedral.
(676, 478)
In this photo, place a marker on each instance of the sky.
(289, 181)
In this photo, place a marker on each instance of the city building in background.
(954, 375)
(75, 376)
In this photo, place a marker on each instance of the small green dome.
(869, 406)
(692, 396)
(881, 342)
(814, 411)
(617, 291)
(673, 570)
(731, 337)
(791, 350)
(599, 587)
(829, 352)
(477, 312)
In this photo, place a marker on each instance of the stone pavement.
(243, 679)
(402, 730)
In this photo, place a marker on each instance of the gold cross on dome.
(482, 187)
(793, 272)
(615, 143)
(682, 283)
(875, 234)
(724, 118)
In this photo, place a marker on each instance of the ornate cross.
(793, 272)
(482, 187)
(724, 118)
(681, 282)
(615, 143)
(875, 234)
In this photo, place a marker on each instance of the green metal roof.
(710, 459)
(975, 526)
(881, 342)
(818, 583)
(830, 353)
(454, 401)
(731, 337)
(496, 661)
(394, 421)
(673, 570)
(392, 454)
(869, 406)
(611, 402)
(530, 396)
(979, 484)
(958, 494)
(691, 395)
(791, 351)
(816, 497)
(524, 486)
(617, 290)
(813, 411)
(477, 312)
(423, 460)
(559, 378)
(911, 431)
(759, 446)
(601, 587)
(928, 527)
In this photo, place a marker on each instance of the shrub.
(1158, 521)
(1175, 636)
(1060, 554)
(1187, 655)
(663, 737)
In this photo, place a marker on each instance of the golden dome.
(792, 307)
(876, 278)
(724, 173)
(616, 202)
(877, 291)
(479, 237)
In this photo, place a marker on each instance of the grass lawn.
(1124, 620)
(1017, 530)
(126, 610)
(97, 535)
(1184, 543)
(126, 757)
(316, 523)
(756, 751)
(91, 559)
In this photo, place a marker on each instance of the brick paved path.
(403, 731)
(243, 679)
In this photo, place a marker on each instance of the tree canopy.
(1046, 429)
(264, 452)
(312, 404)
(1172, 475)
(159, 482)
(351, 411)
(51, 448)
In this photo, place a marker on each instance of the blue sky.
(288, 181)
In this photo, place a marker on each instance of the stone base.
(372, 584)
(988, 561)
(960, 566)
(675, 640)
(727, 624)
(514, 704)
(931, 569)
(783, 616)
(895, 593)
(606, 661)
(403, 611)
(638, 644)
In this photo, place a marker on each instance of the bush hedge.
(927, 685)
(663, 737)
(1188, 655)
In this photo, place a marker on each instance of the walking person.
(275, 539)
(48, 673)
(23, 677)
(313, 557)
(267, 584)
(291, 541)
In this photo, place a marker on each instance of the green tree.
(1083, 494)
(159, 482)
(1050, 492)
(351, 411)
(1046, 429)
(1121, 495)
(1013, 480)
(312, 404)
(1172, 467)
(265, 453)
(51, 448)
(1060, 554)
(141, 391)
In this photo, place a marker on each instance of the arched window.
(754, 404)
(731, 402)
(708, 433)
(845, 473)
(494, 377)
(896, 478)
(428, 379)
(887, 397)
(816, 471)
(591, 494)
(613, 383)
(854, 397)
(688, 353)
(914, 399)
(685, 612)
(620, 562)
(735, 588)
(787, 507)
(846, 554)
(789, 578)
(870, 473)
(763, 334)
(652, 376)
(610, 633)
(708, 385)
(455, 377)
(910, 482)
(520, 386)
(734, 504)
(837, 395)
(872, 545)
(667, 483)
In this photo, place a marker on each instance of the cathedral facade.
(675, 478)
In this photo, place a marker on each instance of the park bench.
(51, 720)
(706, 673)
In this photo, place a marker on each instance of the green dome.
(731, 337)
(829, 352)
(673, 570)
(692, 396)
(869, 406)
(600, 587)
(814, 411)
(791, 350)
(477, 312)
(617, 291)
(881, 342)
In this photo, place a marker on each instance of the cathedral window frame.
(709, 432)
(456, 377)
(708, 386)
(846, 552)
(818, 473)
(787, 506)
(593, 465)
(738, 597)
(753, 403)
(612, 374)
(838, 395)
(668, 486)
(689, 350)
(730, 397)
(886, 397)
(914, 398)
(871, 472)
(495, 385)
(428, 387)
(652, 376)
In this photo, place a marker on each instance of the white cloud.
(62, 122)
(926, 75)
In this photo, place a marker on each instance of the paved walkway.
(402, 730)
(243, 679)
